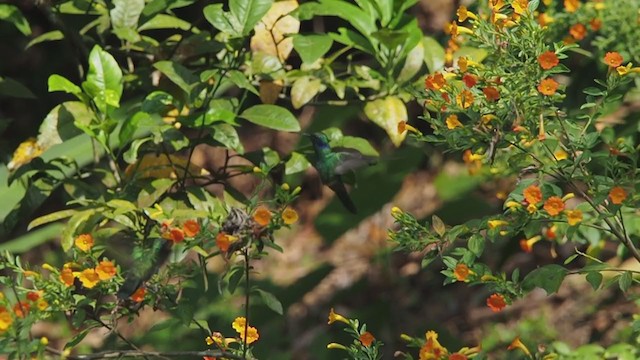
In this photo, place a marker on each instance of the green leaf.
(433, 54)
(220, 19)
(296, 163)
(476, 244)
(548, 277)
(60, 123)
(178, 74)
(12, 88)
(248, 12)
(164, 21)
(413, 63)
(79, 337)
(595, 279)
(241, 81)
(13, 15)
(357, 143)
(152, 192)
(625, 281)
(104, 79)
(74, 223)
(391, 39)
(271, 301)
(48, 36)
(311, 47)
(126, 13)
(55, 216)
(271, 116)
(533, 5)
(60, 83)
(228, 136)
(303, 90)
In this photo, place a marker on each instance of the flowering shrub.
(146, 225)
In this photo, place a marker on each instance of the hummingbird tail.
(130, 285)
(344, 197)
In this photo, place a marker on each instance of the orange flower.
(548, 60)
(469, 80)
(21, 309)
(223, 241)
(262, 216)
(432, 348)
(191, 228)
(435, 81)
(532, 194)
(491, 93)
(462, 272)
(613, 59)
(578, 31)
(464, 99)
(33, 296)
(554, 206)
(106, 270)
(453, 122)
(289, 216)
(548, 87)
(174, 234)
(617, 195)
(574, 217)
(67, 277)
(527, 245)
(458, 356)
(571, 5)
(89, 278)
(139, 295)
(544, 19)
(367, 339)
(550, 233)
(496, 302)
(84, 242)
(595, 24)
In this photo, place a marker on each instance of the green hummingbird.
(146, 262)
(332, 164)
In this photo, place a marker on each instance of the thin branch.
(116, 354)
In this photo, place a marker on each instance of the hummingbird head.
(319, 140)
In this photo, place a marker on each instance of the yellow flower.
(44, 341)
(560, 154)
(464, 14)
(527, 245)
(333, 317)
(239, 323)
(285, 187)
(42, 304)
(532, 208)
(257, 170)
(396, 211)
(252, 335)
(289, 216)
(336, 346)
(105, 270)
(5, 320)
(574, 217)
(26, 151)
(453, 122)
(48, 267)
(517, 344)
(432, 348)
(512, 205)
(496, 223)
(89, 278)
(84, 242)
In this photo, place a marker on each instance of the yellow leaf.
(388, 113)
(270, 32)
(438, 225)
(303, 90)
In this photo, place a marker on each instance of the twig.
(114, 354)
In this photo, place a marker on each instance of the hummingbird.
(146, 262)
(332, 164)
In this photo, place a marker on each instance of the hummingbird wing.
(146, 262)
(343, 195)
(351, 160)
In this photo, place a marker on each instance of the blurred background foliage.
(331, 258)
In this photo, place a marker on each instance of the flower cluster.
(431, 348)
(364, 345)
(244, 331)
